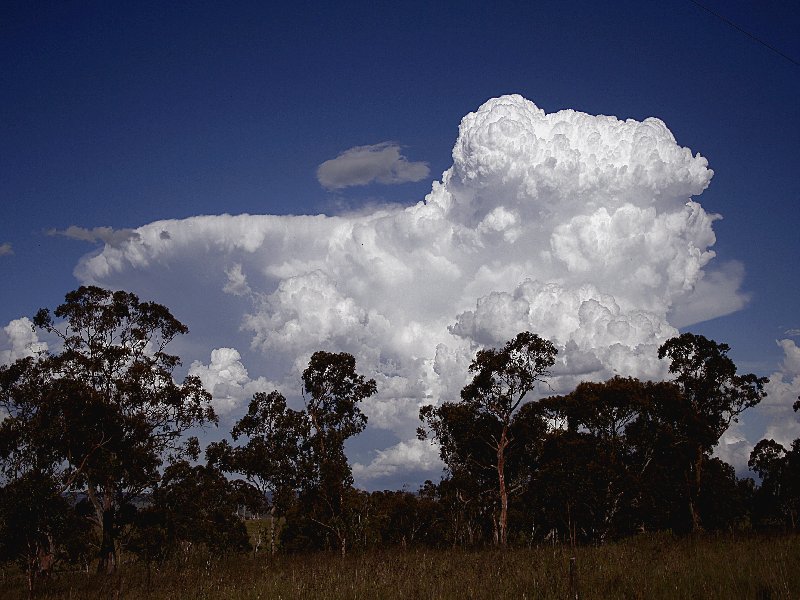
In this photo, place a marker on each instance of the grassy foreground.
(650, 567)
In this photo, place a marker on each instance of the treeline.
(96, 456)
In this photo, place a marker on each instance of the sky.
(410, 183)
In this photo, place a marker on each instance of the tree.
(37, 524)
(332, 390)
(593, 455)
(469, 490)
(106, 410)
(713, 396)
(296, 458)
(199, 507)
(778, 497)
(502, 379)
(274, 456)
(401, 518)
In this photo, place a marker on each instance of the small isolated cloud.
(792, 332)
(237, 282)
(382, 163)
(5, 249)
(107, 235)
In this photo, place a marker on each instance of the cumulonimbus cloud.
(362, 165)
(584, 229)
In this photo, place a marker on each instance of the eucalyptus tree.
(595, 452)
(712, 397)
(104, 411)
(296, 458)
(502, 379)
(274, 456)
(778, 497)
(38, 527)
(332, 391)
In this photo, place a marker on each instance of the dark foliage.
(105, 419)
(475, 436)
(102, 414)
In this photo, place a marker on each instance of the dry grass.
(650, 567)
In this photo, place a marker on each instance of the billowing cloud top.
(382, 163)
(580, 228)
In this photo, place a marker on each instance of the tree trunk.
(31, 572)
(46, 556)
(501, 477)
(693, 489)
(108, 556)
(272, 546)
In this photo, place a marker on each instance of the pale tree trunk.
(501, 477)
(273, 548)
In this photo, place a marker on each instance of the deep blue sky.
(118, 114)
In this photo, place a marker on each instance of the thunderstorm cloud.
(584, 229)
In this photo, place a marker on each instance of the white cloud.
(783, 391)
(237, 281)
(580, 228)
(708, 298)
(6, 249)
(362, 165)
(20, 341)
(734, 448)
(411, 455)
(226, 378)
(773, 418)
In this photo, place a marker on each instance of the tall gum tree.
(296, 458)
(598, 418)
(713, 396)
(119, 411)
(274, 456)
(502, 378)
(332, 390)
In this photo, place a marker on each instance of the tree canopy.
(104, 411)
(502, 379)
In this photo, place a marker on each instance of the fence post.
(573, 580)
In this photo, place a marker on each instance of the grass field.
(647, 567)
